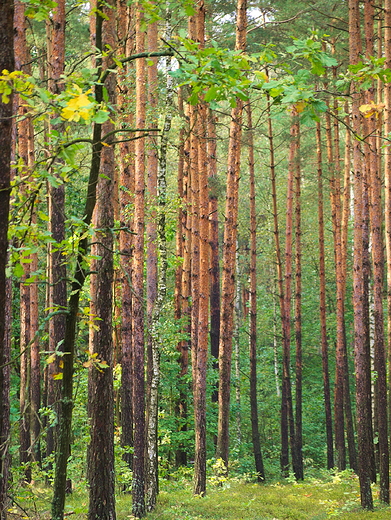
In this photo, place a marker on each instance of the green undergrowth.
(331, 496)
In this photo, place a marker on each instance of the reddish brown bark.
(126, 191)
(360, 350)
(138, 495)
(376, 221)
(229, 254)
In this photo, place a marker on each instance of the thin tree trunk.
(339, 418)
(299, 469)
(182, 285)
(214, 246)
(287, 421)
(322, 306)
(253, 307)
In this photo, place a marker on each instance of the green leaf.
(18, 270)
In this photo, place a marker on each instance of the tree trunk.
(253, 307)
(361, 362)
(100, 384)
(181, 284)
(153, 363)
(299, 469)
(138, 483)
(57, 266)
(6, 62)
(229, 254)
(126, 193)
(376, 220)
(322, 307)
(214, 247)
(66, 405)
(287, 421)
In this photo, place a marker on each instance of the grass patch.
(333, 496)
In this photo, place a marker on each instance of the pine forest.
(195, 258)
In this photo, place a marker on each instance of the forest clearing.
(195, 259)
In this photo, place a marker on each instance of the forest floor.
(313, 499)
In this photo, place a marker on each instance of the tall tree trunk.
(376, 219)
(57, 266)
(214, 246)
(362, 383)
(35, 375)
(153, 364)
(138, 493)
(287, 421)
(299, 469)
(322, 306)
(253, 307)
(387, 180)
(23, 131)
(7, 63)
(126, 193)
(181, 283)
(236, 339)
(100, 384)
(229, 253)
(339, 419)
(80, 274)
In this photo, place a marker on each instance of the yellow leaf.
(300, 106)
(57, 376)
(51, 359)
